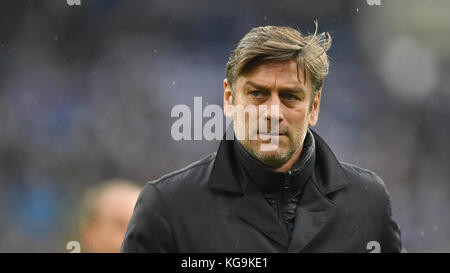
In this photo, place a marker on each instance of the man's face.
(273, 84)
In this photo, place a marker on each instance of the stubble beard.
(272, 158)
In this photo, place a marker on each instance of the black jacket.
(213, 206)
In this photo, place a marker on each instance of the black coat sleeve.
(149, 229)
(391, 236)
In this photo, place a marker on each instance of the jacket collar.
(228, 173)
(269, 181)
(329, 173)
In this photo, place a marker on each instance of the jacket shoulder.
(362, 177)
(368, 185)
(151, 226)
(193, 174)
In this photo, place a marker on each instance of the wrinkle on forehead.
(276, 70)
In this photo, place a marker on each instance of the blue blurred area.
(34, 208)
(86, 94)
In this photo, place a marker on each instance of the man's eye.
(289, 97)
(255, 94)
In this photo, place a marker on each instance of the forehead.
(275, 74)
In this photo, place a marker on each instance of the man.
(105, 213)
(296, 197)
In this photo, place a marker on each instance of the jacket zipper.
(280, 204)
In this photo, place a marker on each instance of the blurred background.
(86, 94)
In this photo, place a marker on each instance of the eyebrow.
(281, 89)
(255, 85)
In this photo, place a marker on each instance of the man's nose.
(273, 109)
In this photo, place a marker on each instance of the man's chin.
(273, 158)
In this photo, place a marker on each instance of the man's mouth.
(271, 134)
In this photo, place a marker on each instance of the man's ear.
(314, 115)
(227, 99)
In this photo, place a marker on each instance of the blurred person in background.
(104, 216)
